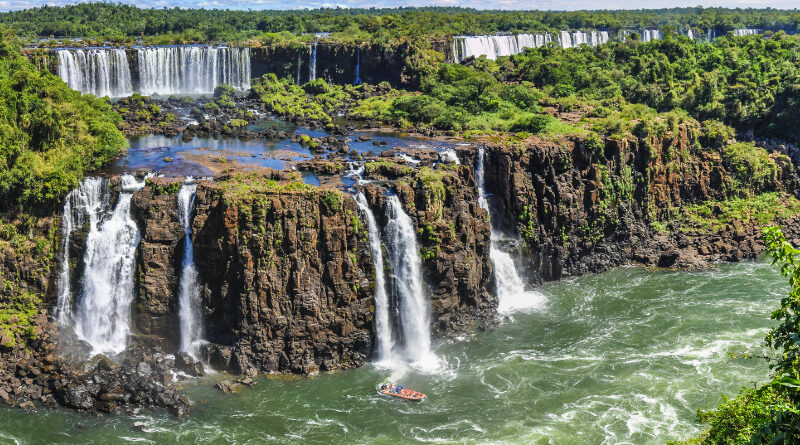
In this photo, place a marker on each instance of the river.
(626, 356)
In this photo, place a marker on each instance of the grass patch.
(761, 209)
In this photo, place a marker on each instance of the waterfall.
(98, 71)
(383, 326)
(408, 283)
(188, 291)
(88, 201)
(746, 32)
(498, 46)
(103, 318)
(490, 46)
(297, 76)
(192, 69)
(510, 289)
(162, 70)
(312, 62)
(650, 34)
(690, 34)
(357, 80)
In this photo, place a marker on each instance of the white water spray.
(188, 292)
(192, 69)
(383, 326)
(87, 202)
(98, 71)
(312, 62)
(407, 273)
(511, 292)
(103, 318)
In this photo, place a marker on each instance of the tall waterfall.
(415, 318)
(297, 75)
(312, 62)
(192, 69)
(98, 71)
(103, 313)
(188, 292)
(87, 202)
(509, 286)
(383, 326)
(357, 80)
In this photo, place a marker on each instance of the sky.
(6, 5)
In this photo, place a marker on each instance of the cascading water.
(297, 75)
(357, 80)
(408, 284)
(192, 69)
(511, 292)
(188, 291)
(746, 32)
(312, 62)
(383, 326)
(103, 317)
(88, 201)
(497, 46)
(162, 70)
(98, 71)
(650, 34)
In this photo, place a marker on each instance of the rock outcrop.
(583, 209)
(286, 277)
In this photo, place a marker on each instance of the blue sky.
(480, 4)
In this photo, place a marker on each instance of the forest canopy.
(118, 22)
(50, 135)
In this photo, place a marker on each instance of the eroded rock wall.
(581, 209)
(286, 279)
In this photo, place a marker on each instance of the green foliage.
(750, 165)
(761, 209)
(288, 100)
(16, 314)
(332, 201)
(50, 135)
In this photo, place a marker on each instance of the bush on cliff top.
(50, 135)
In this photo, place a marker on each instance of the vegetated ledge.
(656, 201)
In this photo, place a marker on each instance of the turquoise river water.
(621, 357)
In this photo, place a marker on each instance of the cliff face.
(158, 263)
(453, 233)
(581, 209)
(286, 279)
(336, 63)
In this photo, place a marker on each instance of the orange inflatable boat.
(401, 393)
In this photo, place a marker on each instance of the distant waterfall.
(312, 62)
(690, 34)
(498, 46)
(100, 71)
(383, 326)
(415, 318)
(192, 69)
(357, 80)
(297, 76)
(86, 203)
(103, 316)
(746, 32)
(650, 34)
(510, 289)
(188, 292)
